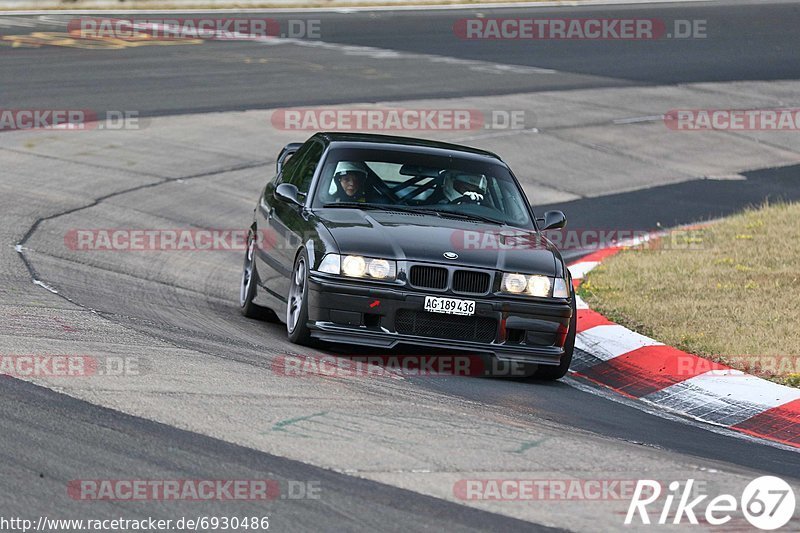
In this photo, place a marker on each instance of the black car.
(379, 241)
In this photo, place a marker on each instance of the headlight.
(380, 268)
(514, 283)
(539, 286)
(356, 266)
(536, 285)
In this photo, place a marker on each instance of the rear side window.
(299, 171)
(290, 165)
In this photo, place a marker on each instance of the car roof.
(370, 140)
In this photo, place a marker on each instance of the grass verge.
(729, 293)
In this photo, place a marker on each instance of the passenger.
(458, 188)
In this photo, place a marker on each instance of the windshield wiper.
(382, 207)
(359, 205)
(465, 216)
(411, 209)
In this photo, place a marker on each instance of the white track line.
(610, 341)
(387, 53)
(355, 9)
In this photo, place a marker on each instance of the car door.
(286, 224)
(267, 261)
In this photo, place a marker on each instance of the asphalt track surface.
(47, 437)
(68, 430)
(749, 41)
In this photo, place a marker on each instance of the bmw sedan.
(383, 241)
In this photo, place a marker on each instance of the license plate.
(450, 306)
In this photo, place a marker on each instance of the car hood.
(425, 238)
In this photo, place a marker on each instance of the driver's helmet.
(348, 167)
(457, 184)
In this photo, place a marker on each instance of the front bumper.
(354, 312)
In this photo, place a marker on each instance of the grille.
(427, 277)
(464, 328)
(471, 282)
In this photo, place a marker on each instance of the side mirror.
(286, 192)
(552, 220)
(288, 151)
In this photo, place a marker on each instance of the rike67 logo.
(767, 503)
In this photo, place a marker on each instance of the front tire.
(297, 303)
(555, 372)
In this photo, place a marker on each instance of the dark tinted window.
(299, 171)
(290, 165)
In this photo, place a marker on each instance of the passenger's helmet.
(456, 184)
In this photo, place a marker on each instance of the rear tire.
(555, 372)
(247, 287)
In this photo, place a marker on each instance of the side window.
(291, 164)
(302, 172)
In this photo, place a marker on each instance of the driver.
(350, 181)
(459, 187)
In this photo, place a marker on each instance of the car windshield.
(411, 181)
